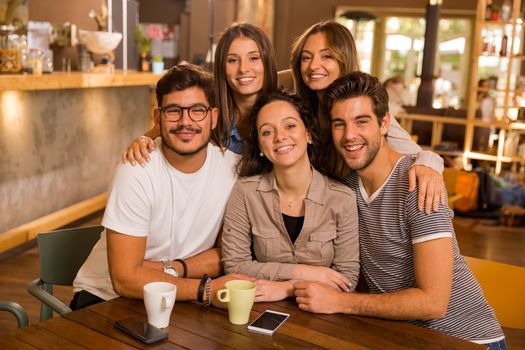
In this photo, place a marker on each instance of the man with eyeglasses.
(162, 220)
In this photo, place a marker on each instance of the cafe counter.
(61, 136)
(75, 80)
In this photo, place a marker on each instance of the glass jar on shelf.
(10, 57)
(36, 61)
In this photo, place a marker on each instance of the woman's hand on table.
(430, 186)
(323, 274)
(139, 151)
(273, 290)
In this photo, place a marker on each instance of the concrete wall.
(59, 147)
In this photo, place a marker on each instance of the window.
(391, 43)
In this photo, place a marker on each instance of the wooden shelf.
(513, 29)
(505, 95)
(449, 153)
(518, 159)
(75, 80)
(481, 156)
(499, 23)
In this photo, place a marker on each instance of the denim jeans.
(497, 345)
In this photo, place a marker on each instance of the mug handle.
(223, 295)
(167, 302)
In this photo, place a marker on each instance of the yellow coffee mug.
(240, 295)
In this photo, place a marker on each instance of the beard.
(183, 152)
(372, 149)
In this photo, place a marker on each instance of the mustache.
(186, 129)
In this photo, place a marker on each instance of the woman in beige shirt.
(286, 221)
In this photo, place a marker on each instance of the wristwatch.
(168, 268)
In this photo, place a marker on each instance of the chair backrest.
(16, 310)
(285, 79)
(504, 288)
(450, 176)
(63, 252)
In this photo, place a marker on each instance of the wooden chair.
(450, 176)
(504, 288)
(61, 253)
(16, 310)
(285, 79)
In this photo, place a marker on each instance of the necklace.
(290, 203)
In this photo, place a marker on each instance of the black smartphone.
(141, 330)
(268, 322)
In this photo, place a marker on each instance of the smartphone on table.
(141, 330)
(268, 322)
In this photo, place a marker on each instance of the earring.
(261, 154)
(309, 141)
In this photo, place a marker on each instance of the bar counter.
(61, 136)
(75, 80)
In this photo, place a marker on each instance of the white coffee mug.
(159, 298)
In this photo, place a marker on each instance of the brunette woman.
(285, 220)
(244, 69)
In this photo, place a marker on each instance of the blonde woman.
(327, 51)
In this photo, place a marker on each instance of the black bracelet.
(208, 294)
(184, 266)
(202, 285)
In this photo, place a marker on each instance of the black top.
(294, 225)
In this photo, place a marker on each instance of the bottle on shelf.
(488, 11)
(491, 47)
(485, 46)
(511, 145)
(504, 41)
(505, 12)
(494, 13)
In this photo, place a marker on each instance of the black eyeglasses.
(173, 113)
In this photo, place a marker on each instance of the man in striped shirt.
(410, 260)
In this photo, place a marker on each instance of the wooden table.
(191, 327)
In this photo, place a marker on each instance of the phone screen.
(269, 320)
(141, 330)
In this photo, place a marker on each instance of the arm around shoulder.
(400, 140)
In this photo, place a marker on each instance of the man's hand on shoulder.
(318, 297)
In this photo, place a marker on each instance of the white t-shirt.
(180, 214)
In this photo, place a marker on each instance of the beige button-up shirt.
(329, 236)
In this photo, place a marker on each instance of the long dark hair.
(342, 44)
(251, 162)
(223, 90)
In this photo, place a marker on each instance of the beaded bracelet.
(208, 293)
(184, 266)
(202, 285)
